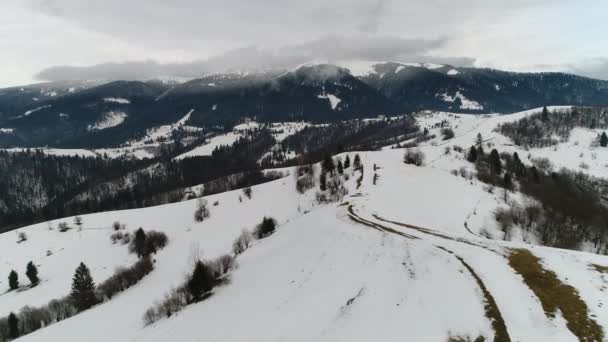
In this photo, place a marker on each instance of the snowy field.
(327, 274)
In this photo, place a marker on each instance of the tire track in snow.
(490, 307)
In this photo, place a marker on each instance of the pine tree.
(472, 156)
(507, 181)
(604, 140)
(78, 222)
(375, 178)
(13, 326)
(328, 164)
(322, 181)
(13, 280)
(545, 114)
(32, 273)
(347, 162)
(83, 288)
(495, 162)
(140, 242)
(201, 281)
(340, 168)
(357, 161)
(479, 141)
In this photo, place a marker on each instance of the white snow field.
(391, 262)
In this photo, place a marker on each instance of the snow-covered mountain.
(61, 115)
(389, 251)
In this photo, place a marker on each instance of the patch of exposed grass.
(600, 268)
(492, 312)
(554, 295)
(465, 339)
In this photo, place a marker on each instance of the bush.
(447, 133)
(63, 227)
(124, 278)
(413, 157)
(265, 228)
(21, 237)
(117, 236)
(242, 242)
(247, 192)
(201, 212)
(147, 243)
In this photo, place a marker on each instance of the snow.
(334, 101)
(453, 72)
(465, 103)
(116, 100)
(207, 148)
(27, 113)
(108, 120)
(399, 68)
(433, 66)
(7, 130)
(322, 276)
(185, 119)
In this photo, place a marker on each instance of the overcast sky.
(133, 38)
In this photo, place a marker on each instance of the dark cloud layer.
(329, 49)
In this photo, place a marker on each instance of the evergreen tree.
(13, 326)
(328, 164)
(201, 281)
(32, 273)
(357, 161)
(534, 174)
(13, 280)
(340, 167)
(78, 222)
(479, 140)
(347, 162)
(140, 242)
(375, 178)
(507, 181)
(472, 156)
(322, 182)
(83, 288)
(545, 115)
(495, 162)
(604, 140)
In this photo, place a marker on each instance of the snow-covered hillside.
(401, 259)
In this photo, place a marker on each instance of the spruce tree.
(340, 168)
(140, 242)
(479, 141)
(200, 282)
(83, 288)
(472, 156)
(357, 161)
(347, 162)
(545, 114)
(495, 162)
(322, 181)
(13, 326)
(604, 140)
(32, 273)
(328, 164)
(507, 181)
(13, 280)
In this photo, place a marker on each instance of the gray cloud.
(596, 68)
(329, 49)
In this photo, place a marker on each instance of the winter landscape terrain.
(408, 241)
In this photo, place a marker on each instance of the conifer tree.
(13, 326)
(32, 273)
(13, 280)
(545, 114)
(200, 282)
(472, 156)
(507, 181)
(357, 161)
(495, 162)
(347, 162)
(83, 288)
(322, 182)
(340, 168)
(328, 164)
(140, 242)
(604, 140)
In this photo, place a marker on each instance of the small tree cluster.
(304, 178)
(63, 227)
(197, 286)
(413, 157)
(144, 244)
(124, 278)
(265, 228)
(242, 242)
(447, 133)
(247, 192)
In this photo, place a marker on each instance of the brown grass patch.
(554, 295)
(600, 268)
